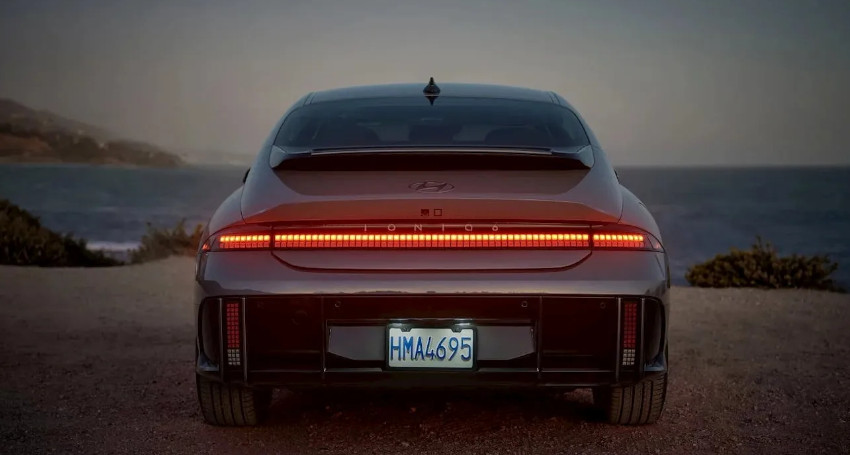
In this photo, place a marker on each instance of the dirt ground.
(100, 361)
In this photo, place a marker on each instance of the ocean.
(701, 211)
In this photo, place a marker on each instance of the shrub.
(24, 241)
(162, 243)
(762, 267)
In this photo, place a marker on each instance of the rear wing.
(432, 158)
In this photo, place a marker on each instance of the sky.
(669, 83)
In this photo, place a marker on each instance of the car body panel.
(635, 273)
(433, 260)
(229, 213)
(544, 317)
(635, 213)
(293, 196)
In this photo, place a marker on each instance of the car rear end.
(406, 264)
(524, 327)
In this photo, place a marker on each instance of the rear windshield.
(450, 121)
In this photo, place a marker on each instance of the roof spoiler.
(433, 158)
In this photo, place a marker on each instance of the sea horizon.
(701, 211)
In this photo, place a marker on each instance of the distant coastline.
(25, 145)
(31, 136)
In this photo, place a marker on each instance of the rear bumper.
(529, 332)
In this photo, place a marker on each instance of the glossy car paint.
(583, 197)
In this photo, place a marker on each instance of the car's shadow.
(373, 408)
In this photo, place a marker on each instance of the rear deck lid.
(449, 160)
(435, 186)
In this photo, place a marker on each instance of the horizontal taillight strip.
(558, 240)
(445, 240)
(230, 242)
(619, 241)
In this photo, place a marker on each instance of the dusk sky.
(737, 82)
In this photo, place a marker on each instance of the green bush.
(762, 267)
(24, 241)
(162, 243)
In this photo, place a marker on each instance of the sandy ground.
(100, 361)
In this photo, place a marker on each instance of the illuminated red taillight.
(332, 237)
(619, 240)
(243, 241)
(630, 320)
(529, 240)
(233, 333)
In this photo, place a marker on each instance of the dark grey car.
(424, 236)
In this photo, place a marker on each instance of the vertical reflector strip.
(231, 320)
(629, 332)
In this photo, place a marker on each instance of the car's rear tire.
(636, 404)
(232, 405)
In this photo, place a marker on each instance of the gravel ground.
(100, 361)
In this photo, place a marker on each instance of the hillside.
(28, 135)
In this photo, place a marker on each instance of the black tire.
(636, 404)
(232, 405)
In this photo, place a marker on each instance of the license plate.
(430, 348)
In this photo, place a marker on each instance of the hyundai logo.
(430, 186)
